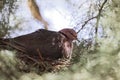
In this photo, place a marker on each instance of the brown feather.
(51, 45)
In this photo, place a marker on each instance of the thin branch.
(98, 16)
(86, 23)
(95, 17)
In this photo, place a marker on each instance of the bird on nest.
(49, 44)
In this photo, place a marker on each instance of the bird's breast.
(67, 49)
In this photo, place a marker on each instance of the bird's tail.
(9, 43)
(1, 41)
(2, 44)
(5, 43)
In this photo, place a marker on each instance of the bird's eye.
(73, 34)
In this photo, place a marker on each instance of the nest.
(29, 62)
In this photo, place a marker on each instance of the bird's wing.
(49, 43)
(27, 41)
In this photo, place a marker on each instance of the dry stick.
(32, 59)
(41, 58)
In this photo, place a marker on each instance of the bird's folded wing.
(42, 39)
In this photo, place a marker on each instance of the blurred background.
(97, 22)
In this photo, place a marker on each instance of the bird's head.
(69, 33)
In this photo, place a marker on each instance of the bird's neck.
(67, 38)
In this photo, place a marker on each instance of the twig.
(32, 59)
(86, 23)
(41, 58)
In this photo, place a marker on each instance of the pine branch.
(98, 16)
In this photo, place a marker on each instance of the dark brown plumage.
(50, 44)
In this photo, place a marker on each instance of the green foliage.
(8, 62)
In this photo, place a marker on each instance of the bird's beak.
(77, 39)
